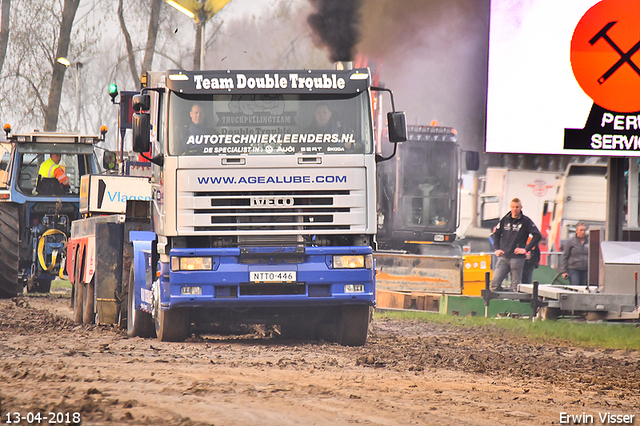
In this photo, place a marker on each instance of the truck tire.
(88, 303)
(9, 250)
(353, 325)
(172, 325)
(77, 304)
(139, 323)
(78, 292)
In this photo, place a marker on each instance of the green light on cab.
(113, 92)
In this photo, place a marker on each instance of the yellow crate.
(475, 266)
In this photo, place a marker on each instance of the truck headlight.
(191, 263)
(353, 261)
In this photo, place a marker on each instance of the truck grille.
(264, 212)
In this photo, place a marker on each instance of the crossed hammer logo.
(624, 57)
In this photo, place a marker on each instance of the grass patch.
(60, 285)
(595, 335)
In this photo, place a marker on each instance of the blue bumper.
(228, 284)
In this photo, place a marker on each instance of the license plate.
(272, 276)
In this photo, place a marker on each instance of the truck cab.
(419, 189)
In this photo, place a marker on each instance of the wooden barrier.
(386, 299)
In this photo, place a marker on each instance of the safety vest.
(49, 169)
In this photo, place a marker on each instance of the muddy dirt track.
(408, 373)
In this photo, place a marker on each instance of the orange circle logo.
(604, 54)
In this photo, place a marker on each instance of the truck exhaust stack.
(343, 65)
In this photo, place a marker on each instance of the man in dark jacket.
(511, 247)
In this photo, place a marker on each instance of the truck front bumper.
(269, 277)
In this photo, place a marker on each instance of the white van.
(581, 197)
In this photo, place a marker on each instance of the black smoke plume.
(337, 22)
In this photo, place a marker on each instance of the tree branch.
(127, 38)
(4, 30)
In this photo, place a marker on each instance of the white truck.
(554, 201)
(254, 218)
(536, 189)
(581, 196)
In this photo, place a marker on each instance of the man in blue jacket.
(511, 247)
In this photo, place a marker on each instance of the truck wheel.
(9, 250)
(88, 303)
(353, 324)
(172, 325)
(77, 304)
(77, 293)
(139, 323)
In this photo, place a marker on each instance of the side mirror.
(472, 160)
(397, 122)
(141, 132)
(141, 103)
(109, 160)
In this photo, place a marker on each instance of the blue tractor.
(35, 211)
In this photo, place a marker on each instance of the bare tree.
(154, 23)
(5, 8)
(152, 35)
(129, 44)
(53, 105)
(31, 82)
(30, 76)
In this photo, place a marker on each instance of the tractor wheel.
(88, 303)
(139, 323)
(9, 250)
(353, 324)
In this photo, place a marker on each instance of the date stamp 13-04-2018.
(42, 418)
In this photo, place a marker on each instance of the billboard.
(563, 78)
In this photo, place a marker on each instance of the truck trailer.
(258, 215)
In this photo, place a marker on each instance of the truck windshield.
(430, 179)
(269, 124)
